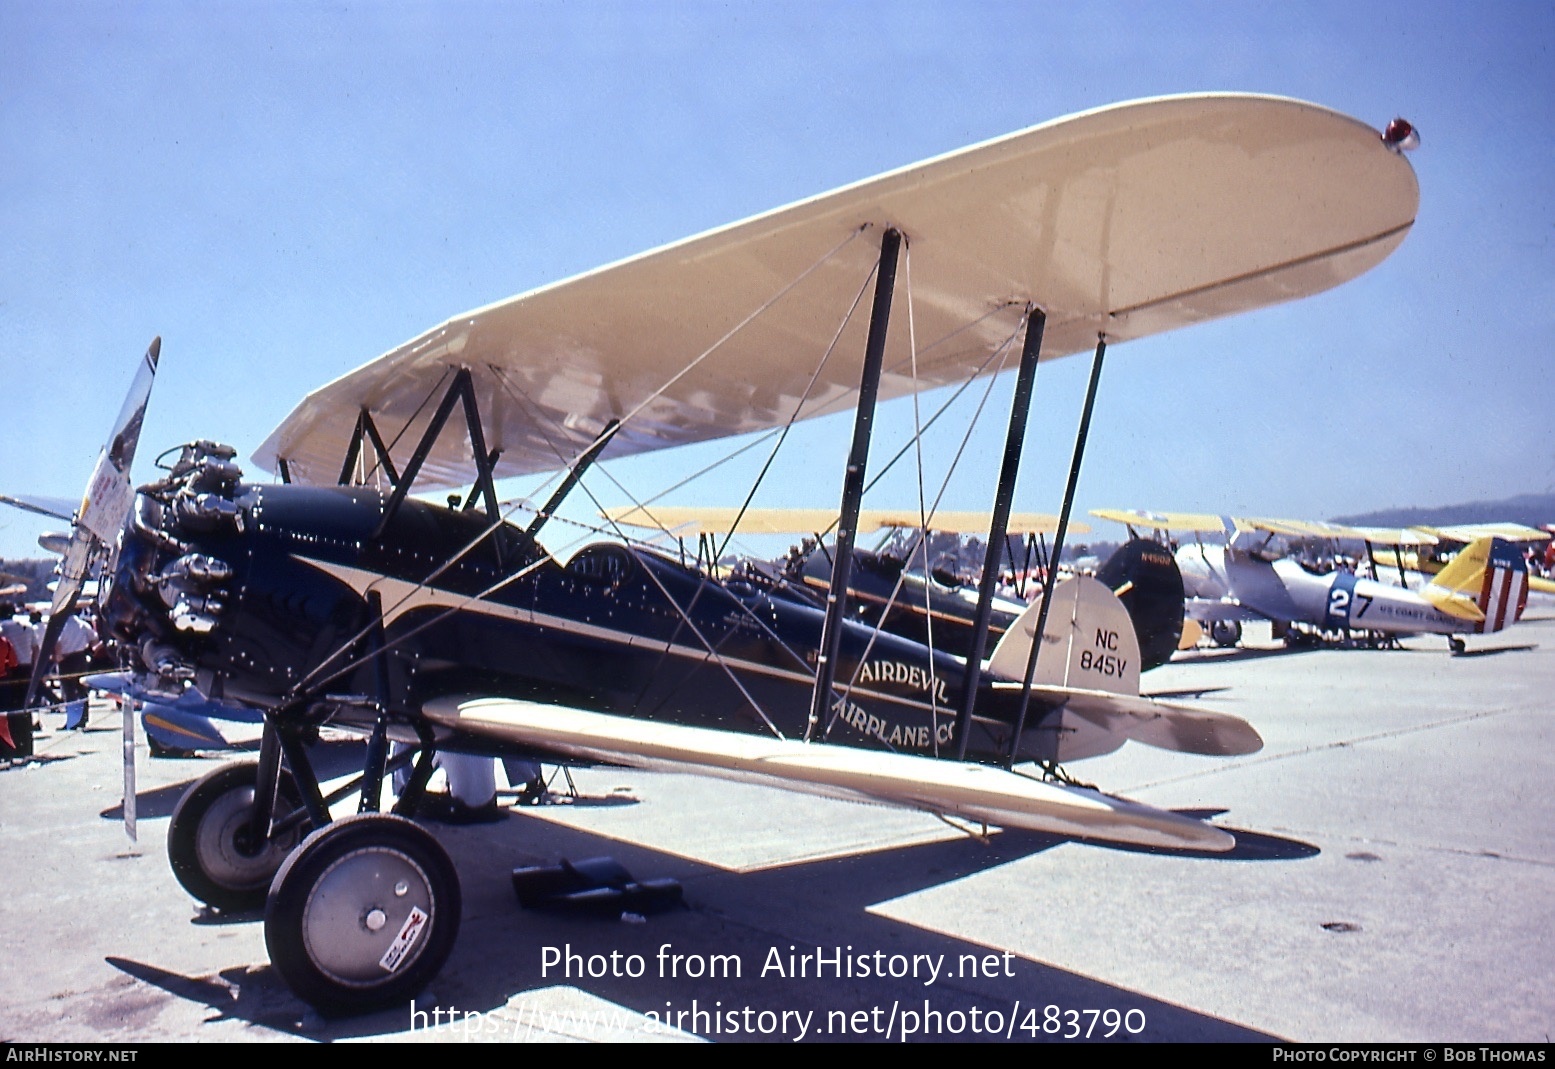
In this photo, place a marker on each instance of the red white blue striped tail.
(1504, 593)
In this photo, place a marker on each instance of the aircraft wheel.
(206, 839)
(363, 914)
(1457, 644)
(1225, 632)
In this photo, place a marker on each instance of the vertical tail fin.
(1504, 593)
(1088, 643)
(1486, 582)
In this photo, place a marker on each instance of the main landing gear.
(1225, 633)
(215, 856)
(363, 914)
(360, 913)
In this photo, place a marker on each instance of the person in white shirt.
(73, 655)
(23, 636)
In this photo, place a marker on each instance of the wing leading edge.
(969, 791)
(697, 520)
(1125, 221)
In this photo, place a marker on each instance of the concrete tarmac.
(1394, 881)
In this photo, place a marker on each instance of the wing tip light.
(1401, 136)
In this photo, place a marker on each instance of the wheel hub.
(366, 914)
(225, 847)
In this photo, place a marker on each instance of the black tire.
(1225, 633)
(346, 902)
(204, 839)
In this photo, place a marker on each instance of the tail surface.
(1088, 641)
(1486, 585)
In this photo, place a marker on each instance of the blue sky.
(284, 190)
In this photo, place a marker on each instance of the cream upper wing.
(1124, 221)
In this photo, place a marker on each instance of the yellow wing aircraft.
(1440, 544)
(1251, 576)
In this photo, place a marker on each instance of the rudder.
(1088, 641)
(1487, 582)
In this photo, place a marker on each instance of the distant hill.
(1533, 510)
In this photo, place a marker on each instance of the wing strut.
(365, 427)
(853, 480)
(589, 456)
(462, 388)
(1056, 555)
(1020, 408)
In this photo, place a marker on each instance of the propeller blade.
(128, 740)
(110, 494)
(52, 507)
(106, 505)
(59, 612)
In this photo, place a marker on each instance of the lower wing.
(970, 791)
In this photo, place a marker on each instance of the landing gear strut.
(360, 915)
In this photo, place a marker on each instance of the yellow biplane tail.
(1485, 584)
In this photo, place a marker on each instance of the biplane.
(1253, 575)
(1439, 545)
(917, 582)
(335, 597)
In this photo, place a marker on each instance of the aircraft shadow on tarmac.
(1240, 653)
(1491, 651)
(149, 805)
(331, 759)
(582, 801)
(750, 915)
(1250, 846)
(20, 763)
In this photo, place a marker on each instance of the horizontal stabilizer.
(1164, 725)
(973, 792)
